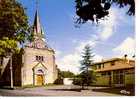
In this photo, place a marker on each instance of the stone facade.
(39, 66)
(33, 67)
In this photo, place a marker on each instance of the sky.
(112, 37)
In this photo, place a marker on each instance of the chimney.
(125, 56)
(126, 59)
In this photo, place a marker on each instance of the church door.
(40, 80)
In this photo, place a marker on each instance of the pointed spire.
(37, 29)
(37, 26)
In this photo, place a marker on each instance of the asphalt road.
(53, 91)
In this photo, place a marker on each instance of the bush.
(58, 81)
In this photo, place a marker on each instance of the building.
(34, 65)
(115, 72)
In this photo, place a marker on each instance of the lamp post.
(11, 70)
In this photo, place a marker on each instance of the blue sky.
(113, 37)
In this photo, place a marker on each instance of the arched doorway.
(40, 77)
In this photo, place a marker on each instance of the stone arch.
(39, 75)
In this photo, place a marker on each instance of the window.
(103, 74)
(39, 58)
(99, 66)
(103, 65)
(42, 58)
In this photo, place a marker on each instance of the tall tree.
(13, 25)
(87, 76)
(95, 10)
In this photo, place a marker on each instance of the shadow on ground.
(113, 90)
(118, 90)
(77, 90)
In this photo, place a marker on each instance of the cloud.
(97, 58)
(81, 46)
(92, 41)
(70, 62)
(126, 47)
(103, 32)
(108, 25)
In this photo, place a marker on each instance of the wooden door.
(40, 80)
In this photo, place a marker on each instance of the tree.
(59, 79)
(67, 74)
(63, 74)
(95, 10)
(86, 75)
(14, 28)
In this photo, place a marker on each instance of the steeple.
(38, 35)
(37, 30)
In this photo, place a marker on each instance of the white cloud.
(126, 47)
(97, 58)
(70, 62)
(108, 26)
(81, 46)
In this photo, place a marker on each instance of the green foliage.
(13, 20)
(95, 10)
(85, 79)
(67, 74)
(14, 28)
(63, 74)
(59, 80)
(87, 58)
(87, 76)
(8, 45)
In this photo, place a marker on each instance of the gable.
(40, 67)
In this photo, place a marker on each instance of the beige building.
(115, 72)
(35, 65)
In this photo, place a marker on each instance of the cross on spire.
(37, 29)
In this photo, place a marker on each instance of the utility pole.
(11, 72)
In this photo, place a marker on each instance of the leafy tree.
(59, 80)
(14, 28)
(95, 10)
(67, 74)
(86, 75)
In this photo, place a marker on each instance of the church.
(34, 65)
